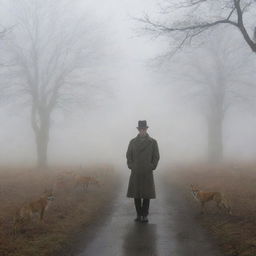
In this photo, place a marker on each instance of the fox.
(28, 210)
(204, 197)
(84, 181)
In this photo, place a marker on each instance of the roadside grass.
(68, 216)
(236, 234)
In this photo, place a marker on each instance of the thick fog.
(132, 83)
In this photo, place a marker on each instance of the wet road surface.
(172, 230)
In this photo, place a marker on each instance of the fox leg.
(17, 224)
(202, 207)
(226, 207)
(15, 227)
(42, 214)
(87, 185)
(219, 205)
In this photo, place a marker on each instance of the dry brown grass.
(68, 214)
(237, 233)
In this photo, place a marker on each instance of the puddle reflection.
(140, 240)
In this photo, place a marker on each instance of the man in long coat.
(142, 158)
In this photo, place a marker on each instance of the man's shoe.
(144, 219)
(138, 219)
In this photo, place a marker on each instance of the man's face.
(143, 131)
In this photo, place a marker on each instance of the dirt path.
(171, 231)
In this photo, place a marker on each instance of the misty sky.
(139, 92)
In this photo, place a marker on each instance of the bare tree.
(54, 49)
(187, 19)
(218, 77)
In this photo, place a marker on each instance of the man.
(142, 158)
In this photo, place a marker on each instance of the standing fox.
(84, 181)
(28, 210)
(204, 197)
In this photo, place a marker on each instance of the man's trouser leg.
(137, 202)
(145, 207)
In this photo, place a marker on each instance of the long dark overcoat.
(142, 158)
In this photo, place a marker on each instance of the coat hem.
(141, 197)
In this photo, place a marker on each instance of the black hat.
(142, 124)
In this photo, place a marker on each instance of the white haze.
(137, 92)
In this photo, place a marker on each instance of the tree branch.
(241, 26)
(190, 31)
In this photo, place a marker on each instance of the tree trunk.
(216, 116)
(40, 120)
(42, 146)
(215, 143)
